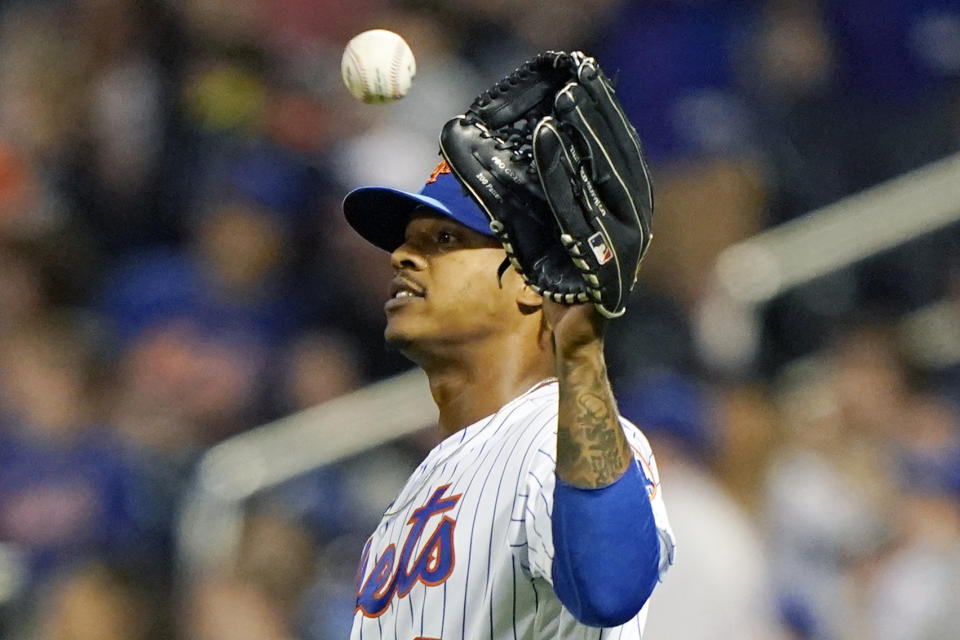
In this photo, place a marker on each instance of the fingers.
(577, 108)
(611, 170)
(574, 203)
(627, 140)
(598, 88)
(557, 166)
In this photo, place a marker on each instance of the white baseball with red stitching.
(378, 66)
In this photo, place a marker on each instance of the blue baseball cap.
(669, 403)
(380, 214)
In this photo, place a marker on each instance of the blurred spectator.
(279, 556)
(330, 601)
(832, 500)
(22, 294)
(318, 367)
(869, 381)
(18, 194)
(201, 327)
(124, 124)
(910, 590)
(684, 105)
(41, 79)
(261, 595)
(97, 602)
(656, 334)
(792, 76)
(67, 487)
(729, 192)
(186, 378)
(225, 608)
(712, 594)
(747, 435)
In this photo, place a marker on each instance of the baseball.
(378, 66)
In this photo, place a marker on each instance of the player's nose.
(407, 257)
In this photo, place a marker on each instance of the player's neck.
(479, 383)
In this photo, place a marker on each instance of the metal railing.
(238, 468)
(751, 273)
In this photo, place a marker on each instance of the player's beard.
(398, 341)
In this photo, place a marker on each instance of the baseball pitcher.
(540, 514)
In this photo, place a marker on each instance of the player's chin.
(396, 335)
(393, 338)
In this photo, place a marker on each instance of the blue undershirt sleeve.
(607, 549)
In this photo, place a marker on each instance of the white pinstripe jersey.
(466, 549)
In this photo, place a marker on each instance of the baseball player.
(540, 514)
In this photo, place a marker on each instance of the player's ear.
(527, 298)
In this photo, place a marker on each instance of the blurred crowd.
(175, 270)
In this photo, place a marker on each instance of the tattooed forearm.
(591, 448)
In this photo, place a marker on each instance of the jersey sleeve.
(533, 541)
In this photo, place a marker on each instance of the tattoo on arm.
(591, 448)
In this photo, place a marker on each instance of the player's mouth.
(404, 290)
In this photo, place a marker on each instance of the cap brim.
(381, 214)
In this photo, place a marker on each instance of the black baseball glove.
(550, 157)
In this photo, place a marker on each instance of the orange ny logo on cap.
(442, 168)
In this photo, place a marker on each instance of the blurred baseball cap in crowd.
(931, 472)
(274, 179)
(380, 214)
(667, 403)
